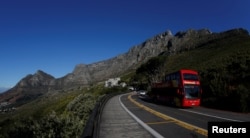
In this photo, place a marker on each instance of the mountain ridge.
(33, 86)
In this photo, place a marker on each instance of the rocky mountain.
(99, 71)
(85, 74)
(163, 43)
(28, 88)
(39, 79)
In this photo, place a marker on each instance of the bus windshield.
(187, 76)
(191, 91)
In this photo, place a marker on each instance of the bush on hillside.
(68, 124)
(228, 83)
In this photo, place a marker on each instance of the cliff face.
(99, 71)
(165, 43)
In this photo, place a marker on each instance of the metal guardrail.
(91, 129)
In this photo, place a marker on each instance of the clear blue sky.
(56, 35)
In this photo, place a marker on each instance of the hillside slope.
(223, 64)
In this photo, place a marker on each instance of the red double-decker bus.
(181, 88)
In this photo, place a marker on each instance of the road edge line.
(145, 126)
(178, 122)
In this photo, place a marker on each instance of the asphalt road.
(178, 122)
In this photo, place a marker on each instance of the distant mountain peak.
(40, 78)
(40, 72)
(43, 74)
(237, 31)
(191, 32)
(28, 88)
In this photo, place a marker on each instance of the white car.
(142, 92)
(130, 88)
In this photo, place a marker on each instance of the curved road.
(176, 122)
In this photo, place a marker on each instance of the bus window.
(191, 91)
(177, 76)
(187, 76)
(167, 78)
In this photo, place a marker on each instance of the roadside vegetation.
(61, 115)
(223, 65)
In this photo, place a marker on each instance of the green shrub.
(69, 123)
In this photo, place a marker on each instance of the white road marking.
(211, 115)
(145, 126)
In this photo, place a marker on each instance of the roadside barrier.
(91, 129)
